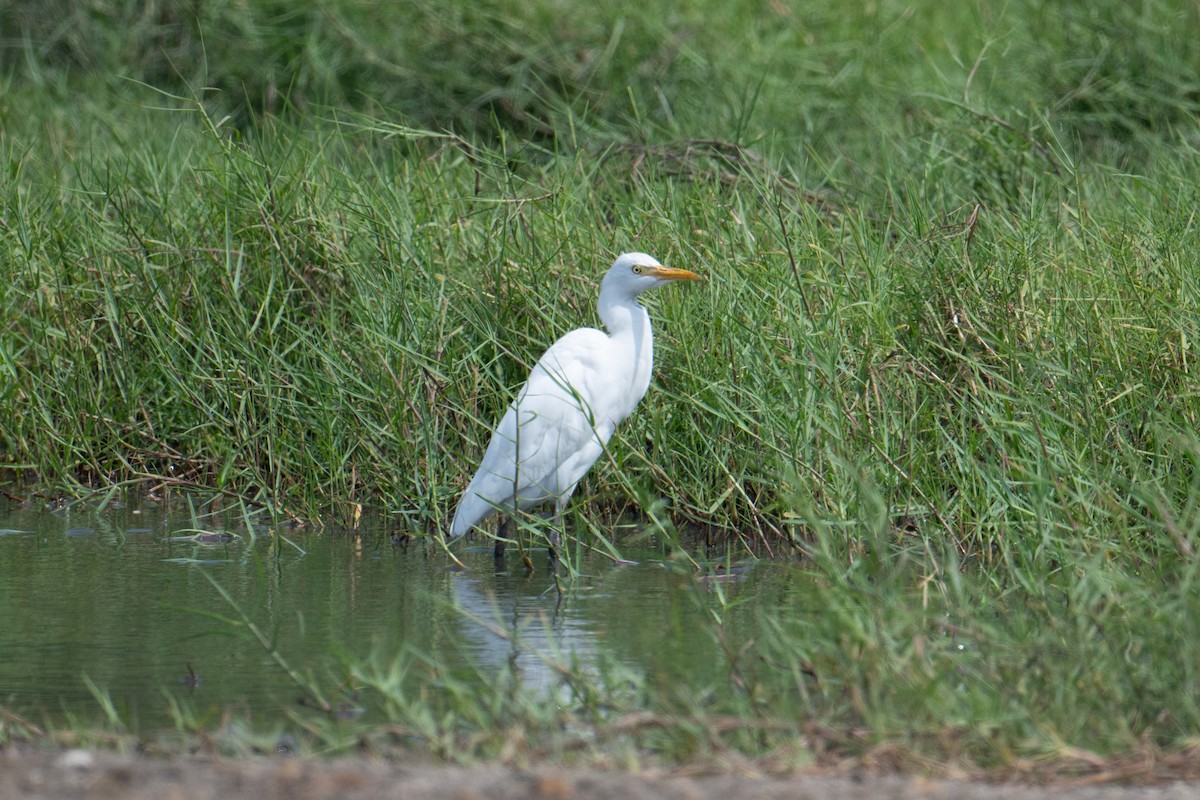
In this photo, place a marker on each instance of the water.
(118, 596)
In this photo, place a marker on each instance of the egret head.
(633, 273)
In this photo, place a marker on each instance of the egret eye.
(637, 270)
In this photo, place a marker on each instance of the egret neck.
(628, 325)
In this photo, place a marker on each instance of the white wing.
(566, 412)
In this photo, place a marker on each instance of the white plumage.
(576, 395)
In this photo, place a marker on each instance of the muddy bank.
(35, 774)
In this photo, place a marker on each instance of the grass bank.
(950, 311)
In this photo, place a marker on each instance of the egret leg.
(554, 538)
(498, 550)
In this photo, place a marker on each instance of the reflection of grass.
(945, 348)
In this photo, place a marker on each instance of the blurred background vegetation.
(545, 69)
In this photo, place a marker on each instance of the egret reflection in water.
(510, 623)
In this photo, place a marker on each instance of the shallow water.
(118, 596)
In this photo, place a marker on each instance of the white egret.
(576, 395)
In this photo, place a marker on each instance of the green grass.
(949, 318)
